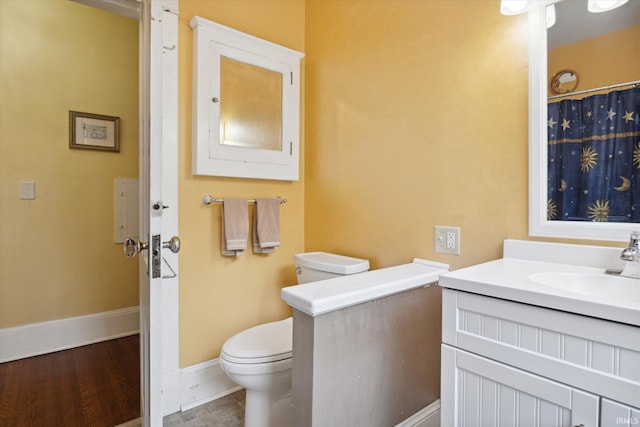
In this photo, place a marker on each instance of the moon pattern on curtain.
(594, 158)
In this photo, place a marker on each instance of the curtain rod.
(207, 200)
(636, 82)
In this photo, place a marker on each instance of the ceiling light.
(597, 6)
(513, 7)
(551, 15)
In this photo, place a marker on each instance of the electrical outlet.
(447, 240)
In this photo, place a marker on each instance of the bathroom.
(375, 178)
(392, 140)
(414, 114)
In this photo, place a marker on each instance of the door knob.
(173, 244)
(133, 247)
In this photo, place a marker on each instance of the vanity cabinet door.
(595, 355)
(615, 414)
(480, 392)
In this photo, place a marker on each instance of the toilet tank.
(314, 266)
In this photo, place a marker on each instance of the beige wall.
(416, 117)
(57, 253)
(220, 296)
(592, 59)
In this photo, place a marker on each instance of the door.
(150, 225)
(481, 392)
(158, 210)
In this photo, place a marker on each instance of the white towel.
(266, 225)
(235, 226)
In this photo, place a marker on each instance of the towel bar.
(207, 200)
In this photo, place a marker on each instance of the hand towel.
(266, 234)
(235, 226)
(256, 244)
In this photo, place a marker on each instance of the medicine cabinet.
(246, 105)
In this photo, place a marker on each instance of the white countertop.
(321, 297)
(616, 299)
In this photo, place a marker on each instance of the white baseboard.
(171, 392)
(203, 383)
(46, 337)
(429, 416)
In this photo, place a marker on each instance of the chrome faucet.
(632, 251)
(631, 254)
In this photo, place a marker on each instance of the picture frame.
(89, 131)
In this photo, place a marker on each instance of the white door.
(150, 174)
(158, 209)
(480, 392)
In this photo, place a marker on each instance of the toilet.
(259, 358)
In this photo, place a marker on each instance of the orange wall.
(220, 296)
(416, 116)
(596, 60)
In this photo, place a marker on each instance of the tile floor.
(227, 411)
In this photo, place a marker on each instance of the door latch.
(156, 257)
(133, 247)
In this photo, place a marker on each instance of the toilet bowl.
(259, 359)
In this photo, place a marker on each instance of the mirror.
(250, 106)
(555, 53)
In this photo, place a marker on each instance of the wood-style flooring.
(94, 385)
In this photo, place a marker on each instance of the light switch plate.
(27, 190)
(447, 240)
(126, 208)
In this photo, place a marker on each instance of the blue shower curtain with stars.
(594, 158)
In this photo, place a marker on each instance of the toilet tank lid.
(331, 263)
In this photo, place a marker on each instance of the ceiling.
(574, 22)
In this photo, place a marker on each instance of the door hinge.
(291, 78)
(291, 148)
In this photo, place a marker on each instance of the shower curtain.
(594, 158)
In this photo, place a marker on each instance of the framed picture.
(93, 132)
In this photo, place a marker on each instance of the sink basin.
(577, 282)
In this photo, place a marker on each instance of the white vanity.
(541, 337)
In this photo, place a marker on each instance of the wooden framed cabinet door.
(481, 392)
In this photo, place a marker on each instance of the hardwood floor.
(94, 385)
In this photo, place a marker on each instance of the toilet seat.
(269, 368)
(262, 344)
